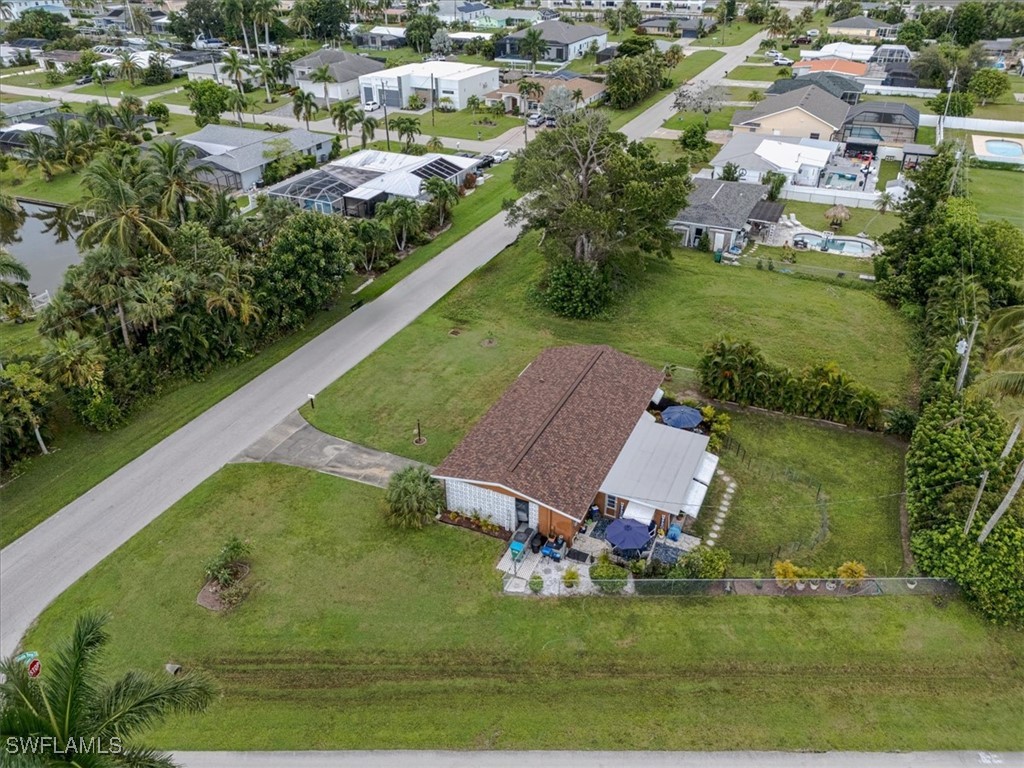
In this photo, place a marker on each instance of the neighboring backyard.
(762, 73)
(447, 382)
(83, 458)
(688, 68)
(997, 193)
(358, 636)
(718, 120)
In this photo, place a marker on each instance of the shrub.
(470, 181)
(852, 573)
(702, 563)
(224, 567)
(577, 290)
(609, 578)
(900, 421)
(571, 578)
(413, 497)
(536, 583)
(786, 574)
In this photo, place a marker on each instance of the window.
(815, 135)
(611, 503)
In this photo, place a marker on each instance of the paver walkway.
(723, 509)
(298, 443)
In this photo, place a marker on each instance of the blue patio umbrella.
(681, 417)
(627, 534)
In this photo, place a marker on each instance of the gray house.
(565, 42)
(724, 211)
(235, 158)
(18, 110)
(842, 87)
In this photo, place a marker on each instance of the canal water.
(41, 251)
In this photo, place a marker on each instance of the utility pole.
(966, 356)
(384, 103)
(1011, 494)
(984, 475)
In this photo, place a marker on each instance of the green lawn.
(84, 458)
(448, 382)
(181, 124)
(742, 92)
(463, 124)
(357, 636)
(688, 68)
(888, 171)
(117, 87)
(734, 33)
(811, 262)
(1003, 108)
(997, 193)
(719, 120)
(20, 339)
(63, 189)
(867, 220)
(775, 505)
(257, 101)
(765, 74)
(666, 150)
(36, 79)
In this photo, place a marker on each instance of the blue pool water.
(844, 245)
(1004, 148)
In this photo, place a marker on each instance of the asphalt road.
(425, 759)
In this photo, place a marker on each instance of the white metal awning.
(642, 513)
(706, 469)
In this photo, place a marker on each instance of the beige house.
(806, 113)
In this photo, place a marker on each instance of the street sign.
(34, 668)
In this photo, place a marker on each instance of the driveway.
(298, 443)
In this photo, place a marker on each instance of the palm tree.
(367, 128)
(778, 23)
(299, 19)
(528, 89)
(108, 279)
(151, 300)
(372, 237)
(237, 102)
(234, 12)
(1005, 365)
(304, 107)
(228, 292)
(323, 75)
(127, 66)
(345, 116)
(413, 497)
(98, 114)
(884, 202)
(268, 76)
(444, 195)
(70, 147)
(282, 69)
(235, 67)
(77, 701)
(12, 216)
(122, 205)
(39, 152)
(473, 102)
(532, 46)
(406, 126)
(402, 216)
(13, 278)
(72, 360)
(434, 144)
(577, 97)
(265, 12)
(176, 176)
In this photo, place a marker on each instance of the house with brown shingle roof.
(573, 431)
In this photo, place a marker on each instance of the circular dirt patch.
(489, 343)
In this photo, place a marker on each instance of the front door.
(719, 240)
(522, 511)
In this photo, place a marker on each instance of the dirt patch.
(455, 332)
(211, 595)
(489, 343)
(470, 524)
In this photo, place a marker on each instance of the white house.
(431, 81)
(801, 161)
(456, 11)
(847, 51)
(14, 8)
(565, 42)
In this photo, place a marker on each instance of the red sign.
(34, 668)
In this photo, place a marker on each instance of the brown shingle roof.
(555, 433)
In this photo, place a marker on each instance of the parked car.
(501, 155)
(782, 61)
(273, 48)
(773, 54)
(209, 44)
(551, 121)
(371, 106)
(84, 80)
(535, 120)
(486, 161)
(803, 40)
(813, 32)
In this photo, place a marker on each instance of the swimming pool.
(847, 246)
(1004, 148)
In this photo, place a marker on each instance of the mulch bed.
(209, 595)
(465, 522)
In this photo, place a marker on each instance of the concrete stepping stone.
(713, 535)
(716, 527)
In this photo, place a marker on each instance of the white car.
(209, 44)
(371, 106)
(782, 61)
(501, 155)
(535, 120)
(813, 32)
(773, 54)
(273, 48)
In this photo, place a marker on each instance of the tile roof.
(842, 66)
(811, 99)
(560, 32)
(556, 432)
(723, 204)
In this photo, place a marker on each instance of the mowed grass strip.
(447, 382)
(83, 458)
(358, 636)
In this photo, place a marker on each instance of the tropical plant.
(345, 116)
(237, 102)
(268, 76)
(532, 46)
(175, 173)
(407, 127)
(413, 497)
(76, 701)
(73, 361)
(304, 107)
(367, 128)
(13, 278)
(885, 201)
(851, 573)
(127, 67)
(608, 577)
(444, 196)
(235, 68)
(402, 216)
(373, 239)
(434, 144)
(24, 397)
(225, 567)
(234, 13)
(322, 74)
(473, 103)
